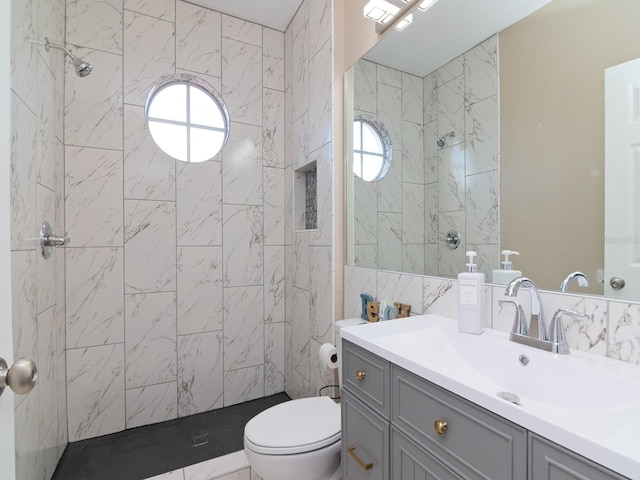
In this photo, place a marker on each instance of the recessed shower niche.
(305, 197)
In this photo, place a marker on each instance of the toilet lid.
(294, 427)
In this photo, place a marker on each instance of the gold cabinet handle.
(360, 375)
(352, 451)
(440, 426)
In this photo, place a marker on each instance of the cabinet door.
(365, 441)
(549, 461)
(410, 462)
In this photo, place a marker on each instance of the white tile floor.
(233, 466)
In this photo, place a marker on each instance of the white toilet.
(300, 439)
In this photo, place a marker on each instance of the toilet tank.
(340, 324)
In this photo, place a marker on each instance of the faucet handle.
(519, 321)
(556, 329)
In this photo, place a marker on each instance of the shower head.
(442, 141)
(82, 68)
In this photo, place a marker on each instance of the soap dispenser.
(471, 298)
(504, 275)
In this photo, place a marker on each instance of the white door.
(622, 180)
(7, 448)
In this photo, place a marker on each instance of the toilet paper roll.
(329, 355)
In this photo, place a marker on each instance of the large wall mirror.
(502, 143)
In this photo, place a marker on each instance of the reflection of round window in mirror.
(371, 148)
(187, 118)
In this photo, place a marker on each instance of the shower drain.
(200, 440)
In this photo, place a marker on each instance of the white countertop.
(586, 403)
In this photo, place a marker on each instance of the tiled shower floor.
(165, 448)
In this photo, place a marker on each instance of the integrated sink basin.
(492, 362)
(587, 403)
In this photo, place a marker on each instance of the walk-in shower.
(82, 68)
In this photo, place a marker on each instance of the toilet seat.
(294, 427)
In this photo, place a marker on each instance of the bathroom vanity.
(406, 419)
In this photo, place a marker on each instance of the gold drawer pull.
(352, 451)
(441, 427)
(360, 375)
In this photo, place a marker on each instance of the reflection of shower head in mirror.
(82, 68)
(442, 141)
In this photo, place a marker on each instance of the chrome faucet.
(537, 327)
(535, 335)
(581, 277)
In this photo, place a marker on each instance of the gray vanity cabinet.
(365, 414)
(365, 441)
(550, 461)
(396, 425)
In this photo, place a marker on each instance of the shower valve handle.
(49, 240)
(53, 241)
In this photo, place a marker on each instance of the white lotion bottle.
(471, 298)
(504, 275)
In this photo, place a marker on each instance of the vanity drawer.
(365, 441)
(367, 376)
(476, 444)
(410, 462)
(549, 461)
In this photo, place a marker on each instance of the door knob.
(617, 283)
(21, 377)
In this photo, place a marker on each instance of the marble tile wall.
(613, 329)
(37, 194)
(176, 275)
(309, 254)
(461, 179)
(430, 190)
(391, 236)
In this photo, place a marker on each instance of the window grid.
(362, 151)
(188, 124)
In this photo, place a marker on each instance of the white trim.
(7, 439)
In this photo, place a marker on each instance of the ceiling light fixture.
(394, 13)
(380, 11)
(404, 22)
(425, 5)
(383, 12)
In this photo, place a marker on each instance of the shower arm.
(442, 141)
(448, 135)
(48, 45)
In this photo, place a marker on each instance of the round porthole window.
(187, 118)
(371, 149)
